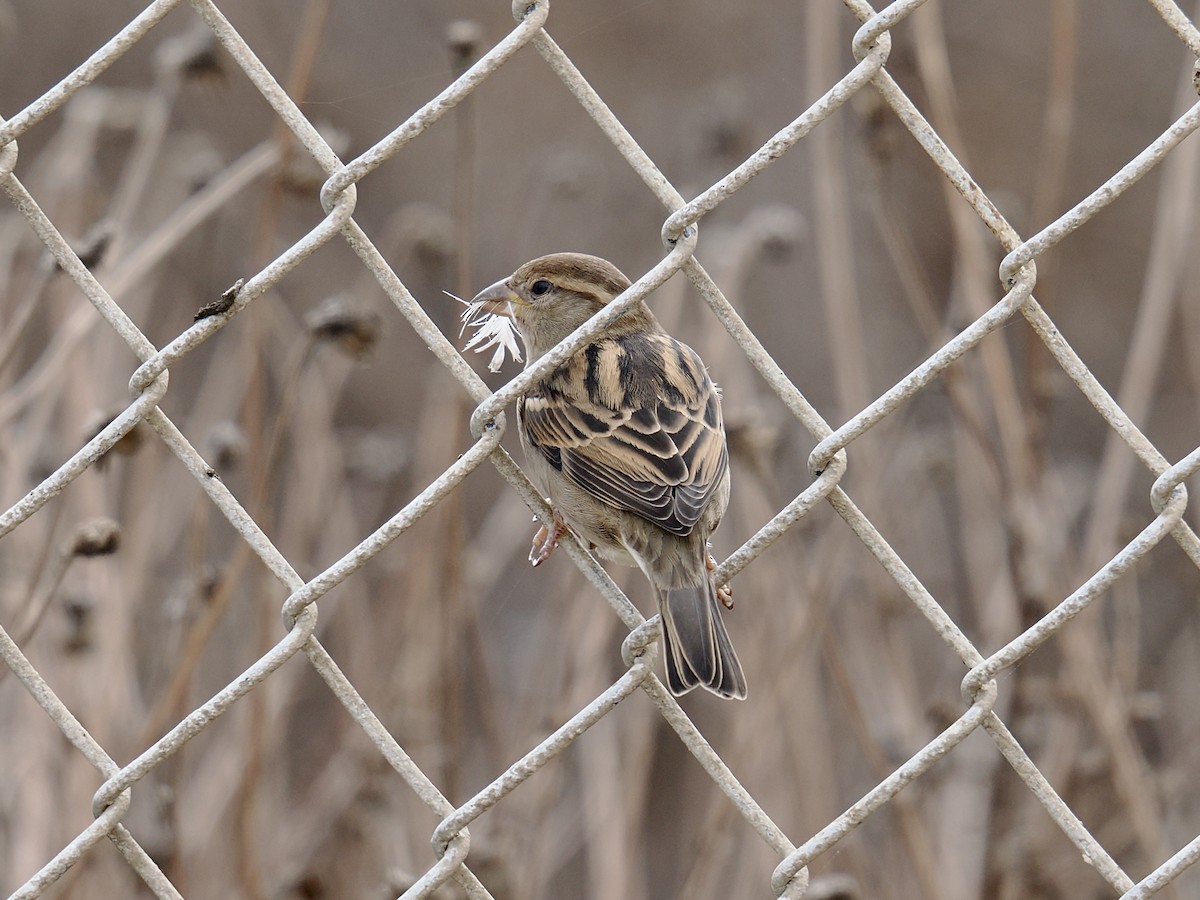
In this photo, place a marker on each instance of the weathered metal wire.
(829, 461)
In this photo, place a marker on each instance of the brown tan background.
(323, 413)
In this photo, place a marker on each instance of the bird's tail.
(696, 644)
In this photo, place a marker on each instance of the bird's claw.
(725, 595)
(724, 591)
(545, 540)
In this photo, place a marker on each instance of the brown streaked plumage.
(626, 439)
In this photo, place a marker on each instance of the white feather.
(491, 330)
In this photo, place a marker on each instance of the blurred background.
(851, 258)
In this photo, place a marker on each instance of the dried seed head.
(834, 887)
(777, 230)
(95, 242)
(198, 162)
(194, 55)
(207, 582)
(725, 129)
(97, 537)
(428, 231)
(568, 174)
(752, 440)
(350, 328)
(463, 37)
(300, 173)
(883, 131)
(78, 611)
(226, 445)
(377, 456)
(127, 445)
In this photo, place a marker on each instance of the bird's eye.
(540, 287)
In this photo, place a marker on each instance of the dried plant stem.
(1172, 244)
(1189, 308)
(1058, 120)
(834, 241)
(303, 60)
(970, 417)
(930, 875)
(16, 328)
(227, 186)
(129, 274)
(986, 545)
(35, 609)
(149, 135)
(468, 656)
(976, 279)
(453, 540)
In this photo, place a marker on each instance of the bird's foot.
(545, 540)
(724, 591)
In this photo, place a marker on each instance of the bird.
(627, 442)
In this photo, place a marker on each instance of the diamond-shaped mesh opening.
(480, 694)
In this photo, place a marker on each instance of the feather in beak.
(490, 314)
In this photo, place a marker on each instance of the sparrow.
(626, 440)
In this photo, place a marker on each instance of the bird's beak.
(498, 299)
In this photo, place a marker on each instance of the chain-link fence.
(1132, 806)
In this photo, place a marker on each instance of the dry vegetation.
(322, 412)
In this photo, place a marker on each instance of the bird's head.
(549, 297)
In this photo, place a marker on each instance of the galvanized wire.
(829, 461)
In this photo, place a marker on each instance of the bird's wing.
(635, 421)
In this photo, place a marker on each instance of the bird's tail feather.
(697, 647)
